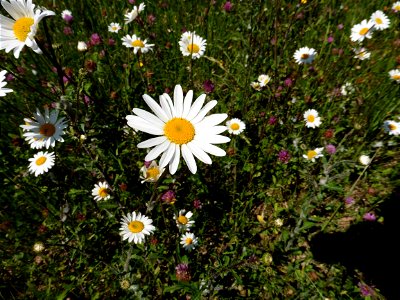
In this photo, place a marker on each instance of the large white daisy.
(44, 130)
(188, 241)
(21, 30)
(395, 74)
(392, 127)
(192, 44)
(313, 154)
(312, 119)
(3, 90)
(181, 128)
(304, 55)
(361, 31)
(380, 20)
(41, 162)
(132, 15)
(136, 43)
(100, 191)
(135, 226)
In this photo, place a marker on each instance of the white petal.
(212, 120)
(142, 125)
(171, 105)
(149, 117)
(165, 106)
(156, 151)
(155, 108)
(213, 139)
(167, 156)
(214, 150)
(189, 159)
(173, 165)
(196, 107)
(152, 142)
(199, 153)
(187, 103)
(200, 116)
(178, 100)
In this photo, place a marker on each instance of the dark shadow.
(369, 247)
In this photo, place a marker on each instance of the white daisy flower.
(392, 127)
(44, 130)
(183, 220)
(41, 162)
(66, 15)
(82, 46)
(256, 85)
(361, 31)
(365, 160)
(135, 226)
(100, 191)
(264, 80)
(396, 6)
(114, 27)
(129, 17)
(192, 44)
(313, 154)
(21, 30)
(137, 44)
(235, 126)
(312, 119)
(151, 173)
(3, 90)
(380, 20)
(395, 74)
(361, 53)
(305, 55)
(188, 241)
(181, 128)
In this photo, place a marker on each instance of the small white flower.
(395, 75)
(396, 7)
(392, 127)
(66, 15)
(256, 85)
(192, 44)
(361, 53)
(183, 220)
(114, 27)
(135, 226)
(304, 55)
(129, 17)
(313, 154)
(188, 241)
(311, 118)
(365, 160)
(38, 247)
(235, 126)
(100, 191)
(82, 46)
(264, 80)
(347, 88)
(361, 31)
(136, 43)
(151, 173)
(3, 90)
(278, 222)
(41, 163)
(380, 20)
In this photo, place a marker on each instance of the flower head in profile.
(313, 154)
(3, 90)
(114, 27)
(136, 43)
(183, 221)
(312, 119)
(256, 85)
(151, 173)
(395, 75)
(264, 79)
(235, 126)
(44, 130)
(20, 31)
(305, 55)
(192, 44)
(135, 226)
(188, 241)
(361, 53)
(361, 31)
(396, 7)
(132, 15)
(392, 127)
(181, 128)
(41, 163)
(101, 191)
(380, 20)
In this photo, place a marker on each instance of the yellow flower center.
(152, 173)
(103, 192)
(179, 131)
(188, 241)
(396, 76)
(136, 226)
(235, 126)
(22, 27)
(305, 56)
(310, 118)
(397, 8)
(378, 20)
(392, 127)
(47, 129)
(137, 43)
(311, 154)
(183, 220)
(193, 48)
(41, 160)
(114, 28)
(364, 31)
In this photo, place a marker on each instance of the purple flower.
(349, 200)
(95, 39)
(284, 156)
(111, 42)
(147, 163)
(228, 6)
(365, 290)
(288, 82)
(272, 120)
(168, 197)
(182, 272)
(331, 149)
(132, 1)
(65, 79)
(197, 204)
(68, 30)
(369, 217)
(330, 39)
(151, 19)
(87, 100)
(9, 77)
(208, 86)
(340, 26)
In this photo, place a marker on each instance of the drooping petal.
(199, 153)
(173, 165)
(152, 142)
(189, 159)
(167, 155)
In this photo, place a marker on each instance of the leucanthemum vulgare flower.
(136, 43)
(312, 119)
(380, 20)
(361, 53)
(305, 55)
(364, 160)
(235, 126)
(313, 154)
(392, 127)
(256, 85)
(361, 31)
(182, 128)
(114, 27)
(151, 173)
(396, 6)
(21, 30)
(3, 90)
(192, 44)
(188, 241)
(135, 226)
(132, 15)
(44, 130)
(395, 75)
(183, 220)
(41, 163)
(100, 191)
(264, 80)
